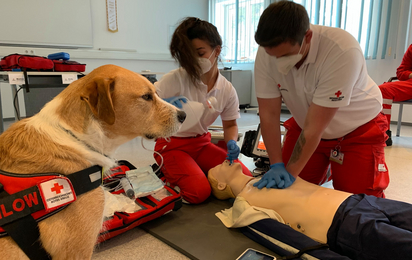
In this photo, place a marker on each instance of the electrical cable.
(14, 104)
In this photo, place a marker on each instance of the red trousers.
(395, 91)
(187, 162)
(363, 169)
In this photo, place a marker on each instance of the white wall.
(145, 27)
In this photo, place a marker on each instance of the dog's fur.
(104, 109)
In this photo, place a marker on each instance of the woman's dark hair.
(280, 22)
(181, 46)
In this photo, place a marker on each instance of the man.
(357, 226)
(320, 74)
(397, 90)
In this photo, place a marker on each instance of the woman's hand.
(232, 151)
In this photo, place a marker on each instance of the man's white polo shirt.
(334, 74)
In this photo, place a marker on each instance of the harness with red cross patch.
(26, 199)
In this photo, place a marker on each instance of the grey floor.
(137, 244)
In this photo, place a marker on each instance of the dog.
(81, 127)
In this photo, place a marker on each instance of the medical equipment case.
(151, 207)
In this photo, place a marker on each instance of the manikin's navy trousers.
(366, 227)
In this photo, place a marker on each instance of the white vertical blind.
(374, 23)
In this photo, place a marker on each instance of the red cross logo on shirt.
(338, 93)
(57, 188)
(278, 85)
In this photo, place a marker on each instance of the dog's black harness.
(36, 197)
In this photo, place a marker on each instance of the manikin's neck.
(238, 182)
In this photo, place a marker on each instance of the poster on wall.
(111, 12)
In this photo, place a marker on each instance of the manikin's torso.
(305, 207)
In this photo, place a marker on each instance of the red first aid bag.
(68, 65)
(151, 206)
(26, 62)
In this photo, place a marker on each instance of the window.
(374, 23)
(236, 21)
(335, 13)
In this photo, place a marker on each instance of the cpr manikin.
(371, 226)
(305, 207)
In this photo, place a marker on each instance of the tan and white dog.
(81, 127)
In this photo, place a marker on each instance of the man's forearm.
(297, 151)
(301, 154)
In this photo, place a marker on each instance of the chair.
(401, 103)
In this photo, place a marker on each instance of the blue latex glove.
(276, 177)
(176, 101)
(232, 151)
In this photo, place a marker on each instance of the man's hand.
(232, 151)
(277, 177)
(176, 101)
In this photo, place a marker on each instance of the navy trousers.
(366, 227)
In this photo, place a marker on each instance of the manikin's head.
(222, 177)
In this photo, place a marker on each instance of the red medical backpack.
(151, 207)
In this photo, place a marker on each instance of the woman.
(189, 155)
(399, 90)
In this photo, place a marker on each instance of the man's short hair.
(280, 22)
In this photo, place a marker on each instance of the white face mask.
(205, 63)
(286, 63)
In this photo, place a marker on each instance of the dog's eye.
(147, 97)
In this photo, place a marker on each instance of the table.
(36, 80)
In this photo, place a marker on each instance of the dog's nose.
(181, 116)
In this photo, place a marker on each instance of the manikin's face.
(225, 172)
(220, 177)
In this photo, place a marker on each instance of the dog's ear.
(98, 96)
